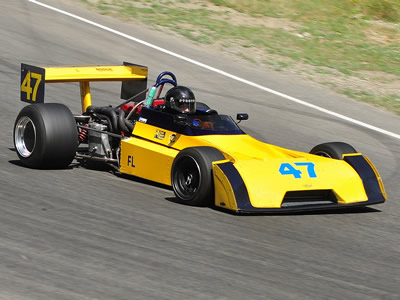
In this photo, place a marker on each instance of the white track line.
(245, 81)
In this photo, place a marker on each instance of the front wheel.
(191, 175)
(45, 136)
(333, 150)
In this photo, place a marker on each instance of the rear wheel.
(191, 176)
(333, 150)
(45, 136)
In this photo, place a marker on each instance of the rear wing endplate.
(33, 79)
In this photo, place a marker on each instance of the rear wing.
(33, 79)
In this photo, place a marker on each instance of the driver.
(180, 99)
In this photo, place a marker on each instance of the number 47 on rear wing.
(33, 79)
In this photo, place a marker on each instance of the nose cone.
(252, 184)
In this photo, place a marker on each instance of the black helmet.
(181, 99)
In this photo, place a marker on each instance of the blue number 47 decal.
(289, 169)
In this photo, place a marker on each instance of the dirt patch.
(378, 35)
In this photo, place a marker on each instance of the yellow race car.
(178, 142)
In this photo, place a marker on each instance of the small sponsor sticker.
(160, 134)
(142, 120)
(172, 138)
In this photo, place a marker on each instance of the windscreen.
(212, 122)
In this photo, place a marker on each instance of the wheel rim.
(187, 178)
(25, 136)
(323, 153)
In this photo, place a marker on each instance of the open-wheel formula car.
(203, 155)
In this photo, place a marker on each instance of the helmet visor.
(184, 105)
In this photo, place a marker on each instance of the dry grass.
(352, 46)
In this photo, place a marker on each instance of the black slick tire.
(333, 150)
(191, 175)
(45, 136)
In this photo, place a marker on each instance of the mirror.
(242, 116)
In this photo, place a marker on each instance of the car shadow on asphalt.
(331, 211)
(18, 163)
(335, 211)
(142, 180)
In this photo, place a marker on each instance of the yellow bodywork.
(95, 73)
(151, 152)
(86, 74)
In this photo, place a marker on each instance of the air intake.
(308, 198)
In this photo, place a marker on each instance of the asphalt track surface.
(88, 234)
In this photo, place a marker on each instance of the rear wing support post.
(86, 97)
